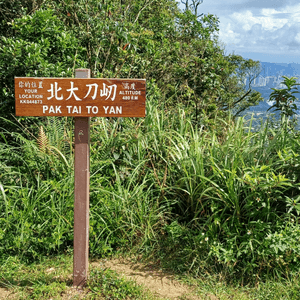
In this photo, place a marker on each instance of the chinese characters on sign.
(80, 97)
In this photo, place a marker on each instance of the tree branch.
(147, 2)
(238, 101)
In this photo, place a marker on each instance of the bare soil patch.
(73, 293)
(6, 294)
(160, 283)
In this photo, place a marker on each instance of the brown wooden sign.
(80, 97)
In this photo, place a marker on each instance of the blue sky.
(265, 30)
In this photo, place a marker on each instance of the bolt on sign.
(80, 97)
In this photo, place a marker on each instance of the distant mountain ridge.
(275, 69)
(263, 84)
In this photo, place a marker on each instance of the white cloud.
(267, 30)
(247, 19)
(260, 27)
(229, 35)
(297, 37)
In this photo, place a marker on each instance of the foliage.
(12, 9)
(49, 277)
(40, 47)
(43, 279)
(242, 95)
(178, 50)
(284, 99)
(189, 183)
(107, 284)
(209, 201)
(36, 200)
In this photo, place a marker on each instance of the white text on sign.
(94, 97)
(56, 109)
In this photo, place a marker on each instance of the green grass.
(51, 277)
(38, 280)
(203, 200)
(109, 285)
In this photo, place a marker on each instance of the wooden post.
(81, 194)
(81, 97)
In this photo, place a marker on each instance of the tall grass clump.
(201, 198)
(36, 197)
(125, 195)
(237, 198)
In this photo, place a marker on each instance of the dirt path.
(158, 282)
(6, 294)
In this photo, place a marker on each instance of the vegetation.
(284, 101)
(223, 204)
(50, 279)
(192, 185)
(177, 52)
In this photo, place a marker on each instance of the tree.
(194, 6)
(177, 51)
(243, 74)
(40, 46)
(221, 82)
(11, 9)
(284, 100)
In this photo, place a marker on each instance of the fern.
(42, 140)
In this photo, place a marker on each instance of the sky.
(264, 30)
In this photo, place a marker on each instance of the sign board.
(80, 97)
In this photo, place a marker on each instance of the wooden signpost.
(81, 97)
